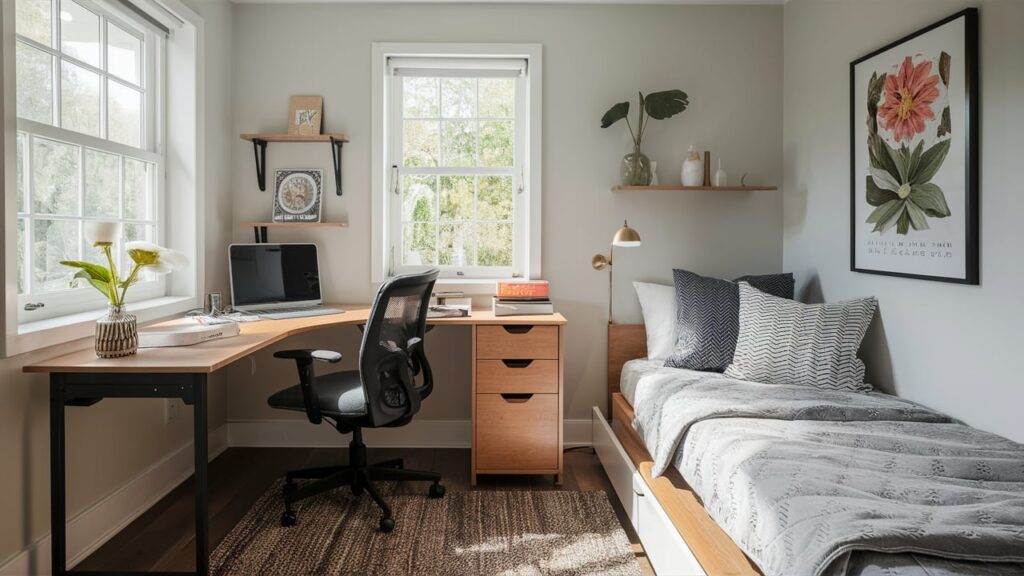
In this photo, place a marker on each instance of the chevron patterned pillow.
(786, 342)
(707, 317)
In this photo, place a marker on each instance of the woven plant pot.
(117, 334)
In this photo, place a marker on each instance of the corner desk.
(517, 366)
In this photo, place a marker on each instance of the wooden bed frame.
(712, 547)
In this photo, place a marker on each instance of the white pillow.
(658, 303)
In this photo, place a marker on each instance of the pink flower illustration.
(908, 97)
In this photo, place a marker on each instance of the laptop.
(276, 281)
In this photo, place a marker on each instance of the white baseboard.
(416, 434)
(93, 527)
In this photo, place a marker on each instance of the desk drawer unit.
(517, 400)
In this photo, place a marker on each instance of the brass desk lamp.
(625, 237)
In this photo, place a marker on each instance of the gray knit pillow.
(707, 320)
(785, 342)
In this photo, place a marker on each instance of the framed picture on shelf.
(298, 195)
(305, 115)
(914, 155)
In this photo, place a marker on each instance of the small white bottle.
(721, 179)
(654, 173)
(693, 169)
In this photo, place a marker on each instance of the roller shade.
(458, 67)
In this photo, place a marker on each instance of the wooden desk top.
(216, 354)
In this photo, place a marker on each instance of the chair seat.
(339, 394)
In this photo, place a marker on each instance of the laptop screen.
(274, 274)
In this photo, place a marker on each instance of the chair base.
(358, 476)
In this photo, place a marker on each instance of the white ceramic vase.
(693, 169)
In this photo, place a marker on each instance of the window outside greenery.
(78, 72)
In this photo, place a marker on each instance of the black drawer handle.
(517, 363)
(516, 397)
(517, 328)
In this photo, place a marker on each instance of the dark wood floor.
(162, 538)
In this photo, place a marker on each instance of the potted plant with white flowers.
(117, 333)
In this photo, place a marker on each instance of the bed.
(803, 481)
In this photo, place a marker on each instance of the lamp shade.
(626, 237)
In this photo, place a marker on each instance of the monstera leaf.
(614, 114)
(662, 105)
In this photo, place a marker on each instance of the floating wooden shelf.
(259, 147)
(694, 188)
(259, 229)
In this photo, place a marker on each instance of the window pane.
(79, 33)
(79, 99)
(497, 97)
(22, 223)
(138, 189)
(495, 244)
(421, 143)
(124, 54)
(459, 143)
(458, 97)
(418, 244)
(34, 81)
(20, 171)
(455, 245)
(53, 241)
(420, 98)
(456, 197)
(494, 198)
(496, 143)
(124, 114)
(32, 20)
(101, 184)
(419, 198)
(55, 177)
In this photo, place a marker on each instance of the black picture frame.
(972, 103)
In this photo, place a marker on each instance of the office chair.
(382, 393)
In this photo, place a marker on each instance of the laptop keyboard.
(285, 313)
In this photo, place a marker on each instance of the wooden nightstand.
(517, 397)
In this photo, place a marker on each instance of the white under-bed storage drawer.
(665, 548)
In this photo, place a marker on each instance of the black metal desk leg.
(58, 516)
(200, 483)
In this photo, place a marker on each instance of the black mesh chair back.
(391, 356)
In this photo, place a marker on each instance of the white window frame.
(183, 170)
(386, 213)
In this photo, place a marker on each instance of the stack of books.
(525, 298)
(450, 305)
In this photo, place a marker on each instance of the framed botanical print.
(914, 155)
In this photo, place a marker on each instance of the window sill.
(63, 329)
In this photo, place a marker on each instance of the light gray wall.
(728, 58)
(113, 442)
(951, 347)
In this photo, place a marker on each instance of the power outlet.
(172, 409)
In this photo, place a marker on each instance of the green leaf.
(877, 196)
(930, 198)
(945, 125)
(931, 161)
(878, 151)
(883, 179)
(662, 105)
(918, 219)
(903, 224)
(915, 158)
(884, 213)
(94, 271)
(900, 160)
(614, 114)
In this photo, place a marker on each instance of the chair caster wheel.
(289, 487)
(289, 518)
(436, 491)
(387, 524)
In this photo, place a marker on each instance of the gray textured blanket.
(809, 481)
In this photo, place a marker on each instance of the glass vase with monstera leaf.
(635, 169)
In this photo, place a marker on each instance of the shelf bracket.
(259, 149)
(336, 156)
(260, 233)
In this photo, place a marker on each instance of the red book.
(537, 289)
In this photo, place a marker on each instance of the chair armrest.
(307, 354)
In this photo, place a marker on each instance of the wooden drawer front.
(516, 434)
(515, 342)
(523, 376)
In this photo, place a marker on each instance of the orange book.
(522, 289)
